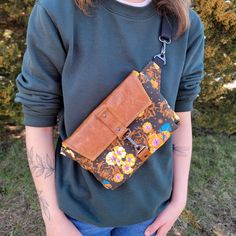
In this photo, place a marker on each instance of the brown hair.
(178, 8)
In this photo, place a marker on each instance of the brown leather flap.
(110, 119)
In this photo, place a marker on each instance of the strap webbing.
(166, 28)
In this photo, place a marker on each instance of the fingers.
(160, 227)
(163, 230)
(152, 228)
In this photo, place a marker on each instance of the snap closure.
(118, 128)
(104, 114)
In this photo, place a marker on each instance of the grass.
(210, 210)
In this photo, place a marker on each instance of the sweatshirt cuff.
(181, 106)
(39, 121)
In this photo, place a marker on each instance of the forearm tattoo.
(40, 166)
(44, 205)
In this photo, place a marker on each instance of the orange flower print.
(130, 160)
(111, 158)
(155, 140)
(118, 177)
(127, 169)
(155, 84)
(147, 127)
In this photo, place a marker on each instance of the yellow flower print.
(127, 169)
(155, 140)
(111, 158)
(155, 84)
(147, 127)
(119, 152)
(130, 160)
(118, 177)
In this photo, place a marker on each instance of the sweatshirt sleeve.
(193, 70)
(39, 82)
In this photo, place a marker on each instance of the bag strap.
(164, 38)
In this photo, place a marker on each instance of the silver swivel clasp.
(162, 55)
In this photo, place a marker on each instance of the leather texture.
(110, 119)
(124, 130)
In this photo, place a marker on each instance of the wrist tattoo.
(40, 166)
(44, 205)
(183, 151)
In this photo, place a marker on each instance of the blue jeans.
(129, 230)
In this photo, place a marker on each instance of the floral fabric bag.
(128, 126)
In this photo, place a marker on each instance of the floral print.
(119, 152)
(154, 140)
(119, 157)
(111, 158)
(118, 177)
(165, 135)
(152, 127)
(147, 127)
(119, 161)
(127, 169)
(106, 184)
(165, 127)
(155, 84)
(130, 159)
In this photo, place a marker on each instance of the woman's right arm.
(41, 159)
(40, 92)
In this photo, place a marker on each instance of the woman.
(71, 63)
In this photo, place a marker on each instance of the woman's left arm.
(189, 89)
(182, 153)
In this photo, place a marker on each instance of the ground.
(210, 210)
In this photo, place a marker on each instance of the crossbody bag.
(128, 126)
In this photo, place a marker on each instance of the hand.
(164, 222)
(61, 226)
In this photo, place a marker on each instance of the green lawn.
(211, 207)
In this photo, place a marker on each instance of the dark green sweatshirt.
(71, 63)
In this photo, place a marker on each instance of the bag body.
(123, 132)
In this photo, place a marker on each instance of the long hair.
(178, 8)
